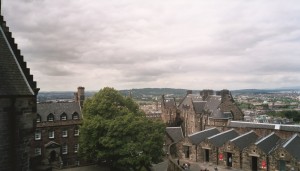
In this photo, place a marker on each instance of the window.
(64, 149)
(51, 134)
(76, 132)
(50, 117)
(76, 148)
(38, 151)
(63, 117)
(38, 135)
(65, 133)
(38, 118)
(75, 116)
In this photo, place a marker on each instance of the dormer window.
(63, 117)
(38, 118)
(75, 116)
(50, 117)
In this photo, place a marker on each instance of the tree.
(117, 133)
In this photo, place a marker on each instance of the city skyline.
(176, 44)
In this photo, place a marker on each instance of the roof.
(244, 140)
(15, 77)
(175, 133)
(169, 102)
(268, 143)
(213, 102)
(199, 106)
(292, 146)
(221, 138)
(198, 137)
(240, 124)
(44, 109)
(217, 114)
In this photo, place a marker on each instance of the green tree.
(117, 133)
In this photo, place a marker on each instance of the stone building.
(57, 130)
(256, 156)
(172, 137)
(169, 112)
(205, 110)
(190, 148)
(18, 94)
(233, 150)
(287, 155)
(213, 146)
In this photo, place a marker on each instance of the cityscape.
(149, 86)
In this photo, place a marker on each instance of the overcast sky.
(192, 44)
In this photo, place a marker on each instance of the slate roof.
(198, 137)
(15, 78)
(268, 143)
(199, 106)
(217, 114)
(293, 146)
(169, 102)
(175, 133)
(221, 138)
(213, 102)
(245, 140)
(240, 124)
(44, 109)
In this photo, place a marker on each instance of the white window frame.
(51, 134)
(76, 147)
(38, 135)
(38, 151)
(64, 133)
(50, 118)
(75, 116)
(76, 132)
(63, 117)
(38, 118)
(64, 149)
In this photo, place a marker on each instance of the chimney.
(205, 93)
(80, 96)
(189, 92)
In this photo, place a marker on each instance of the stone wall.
(16, 126)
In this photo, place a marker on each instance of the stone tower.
(80, 96)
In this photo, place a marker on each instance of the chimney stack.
(79, 96)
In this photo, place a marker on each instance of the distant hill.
(154, 93)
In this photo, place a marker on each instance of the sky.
(190, 44)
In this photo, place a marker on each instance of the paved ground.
(157, 167)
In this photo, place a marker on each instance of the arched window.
(50, 117)
(38, 118)
(63, 117)
(75, 116)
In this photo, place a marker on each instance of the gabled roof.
(15, 78)
(175, 133)
(213, 102)
(268, 143)
(221, 138)
(44, 109)
(293, 146)
(198, 137)
(199, 106)
(244, 140)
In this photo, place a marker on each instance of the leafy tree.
(116, 132)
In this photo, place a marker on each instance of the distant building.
(18, 94)
(200, 111)
(55, 140)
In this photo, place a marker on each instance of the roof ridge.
(247, 133)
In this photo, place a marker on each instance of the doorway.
(229, 159)
(282, 165)
(52, 156)
(254, 164)
(206, 155)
